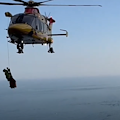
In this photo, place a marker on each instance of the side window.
(38, 25)
(45, 28)
(34, 23)
(42, 25)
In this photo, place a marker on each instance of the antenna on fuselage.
(47, 16)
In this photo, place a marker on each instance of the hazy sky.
(92, 48)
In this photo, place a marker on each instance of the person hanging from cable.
(10, 78)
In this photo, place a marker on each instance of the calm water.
(73, 99)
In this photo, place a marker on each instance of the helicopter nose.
(19, 29)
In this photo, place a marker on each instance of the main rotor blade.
(25, 3)
(45, 1)
(2, 3)
(19, 1)
(69, 5)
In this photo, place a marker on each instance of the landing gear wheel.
(20, 51)
(22, 45)
(20, 48)
(17, 46)
(51, 50)
(12, 41)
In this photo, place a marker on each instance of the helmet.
(4, 70)
(8, 69)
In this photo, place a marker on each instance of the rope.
(8, 55)
(8, 50)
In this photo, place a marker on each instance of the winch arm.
(66, 34)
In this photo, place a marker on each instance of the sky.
(92, 47)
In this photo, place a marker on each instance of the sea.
(85, 98)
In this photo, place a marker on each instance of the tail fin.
(51, 21)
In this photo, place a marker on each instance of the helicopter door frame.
(39, 27)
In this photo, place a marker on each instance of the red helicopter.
(31, 27)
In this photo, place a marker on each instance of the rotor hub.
(30, 2)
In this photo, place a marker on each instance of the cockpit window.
(31, 20)
(19, 19)
(22, 18)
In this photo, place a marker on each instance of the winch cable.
(8, 54)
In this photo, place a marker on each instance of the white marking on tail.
(51, 21)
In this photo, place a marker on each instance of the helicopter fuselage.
(30, 29)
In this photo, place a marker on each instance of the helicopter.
(31, 27)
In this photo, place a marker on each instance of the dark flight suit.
(9, 77)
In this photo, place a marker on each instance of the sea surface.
(96, 98)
